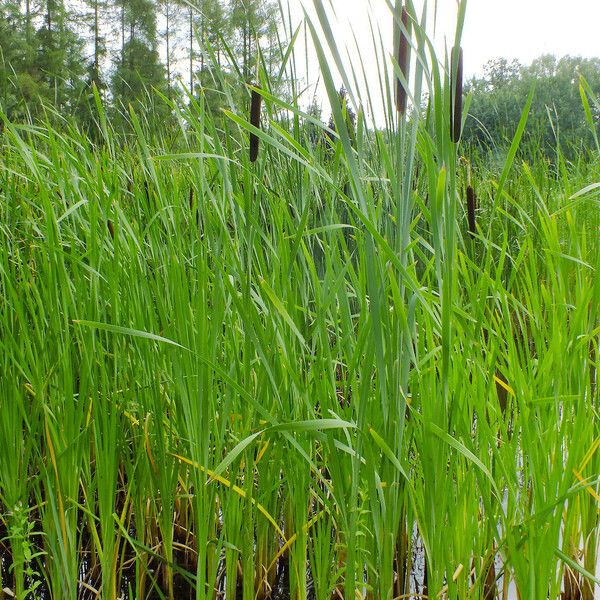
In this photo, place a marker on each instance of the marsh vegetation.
(361, 365)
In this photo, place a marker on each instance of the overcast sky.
(521, 29)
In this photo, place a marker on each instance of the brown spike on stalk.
(111, 228)
(471, 208)
(254, 121)
(456, 88)
(403, 63)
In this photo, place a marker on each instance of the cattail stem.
(456, 89)
(255, 104)
(471, 208)
(490, 591)
(403, 64)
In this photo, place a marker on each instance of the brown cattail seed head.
(255, 103)
(456, 89)
(471, 208)
(403, 63)
(111, 228)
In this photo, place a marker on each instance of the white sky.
(521, 29)
(524, 29)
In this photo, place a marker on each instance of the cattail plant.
(309, 384)
(471, 201)
(471, 208)
(403, 63)
(255, 104)
(456, 89)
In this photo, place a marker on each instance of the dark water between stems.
(183, 590)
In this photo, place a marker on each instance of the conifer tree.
(59, 56)
(254, 23)
(139, 69)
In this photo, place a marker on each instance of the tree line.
(564, 114)
(140, 52)
(54, 52)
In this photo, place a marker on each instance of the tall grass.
(227, 377)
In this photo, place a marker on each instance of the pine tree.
(93, 22)
(12, 50)
(59, 55)
(39, 66)
(255, 23)
(139, 68)
(54, 52)
(97, 9)
(208, 25)
(171, 12)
